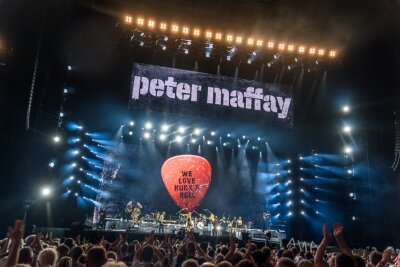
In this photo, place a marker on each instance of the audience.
(67, 252)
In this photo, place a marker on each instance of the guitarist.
(161, 222)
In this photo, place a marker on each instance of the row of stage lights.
(229, 38)
(195, 135)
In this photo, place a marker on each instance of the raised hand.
(327, 234)
(387, 256)
(337, 230)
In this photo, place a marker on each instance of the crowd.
(44, 251)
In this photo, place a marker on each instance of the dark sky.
(81, 33)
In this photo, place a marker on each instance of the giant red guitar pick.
(187, 178)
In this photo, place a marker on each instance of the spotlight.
(71, 177)
(130, 133)
(209, 142)
(301, 190)
(288, 161)
(68, 191)
(81, 169)
(349, 171)
(148, 125)
(76, 152)
(181, 130)
(316, 212)
(197, 131)
(348, 150)
(353, 218)
(76, 194)
(131, 123)
(61, 114)
(289, 192)
(301, 168)
(224, 144)
(164, 128)
(258, 138)
(301, 158)
(56, 139)
(289, 213)
(69, 67)
(302, 201)
(346, 109)
(146, 135)
(301, 179)
(302, 212)
(244, 137)
(79, 181)
(212, 133)
(51, 164)
(193, 140)
(289, 203)
(46, 191)
(228, 135)
(65, 91)
(80, 127)
(162, 137)
(289, 171)
(347, 129)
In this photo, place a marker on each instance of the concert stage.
(94, 236)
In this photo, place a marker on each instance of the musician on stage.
(136, 213)
(215, 226)
(161, 222)
(189, 224)
(128, 210)
(266, 221)
(239, 227)
(210, 220)
(102, 218)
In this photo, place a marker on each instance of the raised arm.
(16, 235)
(338, 233)
(319, 254)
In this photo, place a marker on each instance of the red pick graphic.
(187, 178)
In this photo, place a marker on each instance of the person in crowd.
(47, 258)
(96, 257)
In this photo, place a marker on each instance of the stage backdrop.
(200, 94)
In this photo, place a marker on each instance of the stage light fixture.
(244, 137)
(212, 133)
(321, 52)
(209, 142)
(163, 26)
(46, 191)
(301, 168)
(130, 133)
(140, 21)
(73, 165)
(346, 109)
(197, 131)
(250, 41)
(76, 194)
(300, 158)
(353, 218)
(290, 48)
(348, 150)
(218, 36)
(151, 24)
(312, 51)
(69, 67)
(349, 171)
(148, 125)
(301, 179)
(185, 30)
(229, 38)
(239, 39)
(281, 46)
(289, 192)
(270, 45)
(288, 161)
(71, 177)
(332, 53)
(146, 135)
(208, 54)
(65, 91)
(81, 169)
(289, 203)
(302, 49)
(56, 139)
(193, 140)
(79, 181)
(76, 152)
(249, 61)
(347, 129)
(301, 190)
(289, 213)
(175, 28)
(228, 135)
(302, 201)
(196, 32)
(61, 114)
(128, 19)
(289, 171)
(51, 164)
(178, 139)
(302, 212)
(208, 34)
(181, 130)
(164, 127)
(259, 43)
(68, 191)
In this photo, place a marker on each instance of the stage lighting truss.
(150, 33)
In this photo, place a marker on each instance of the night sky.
(83, 34)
